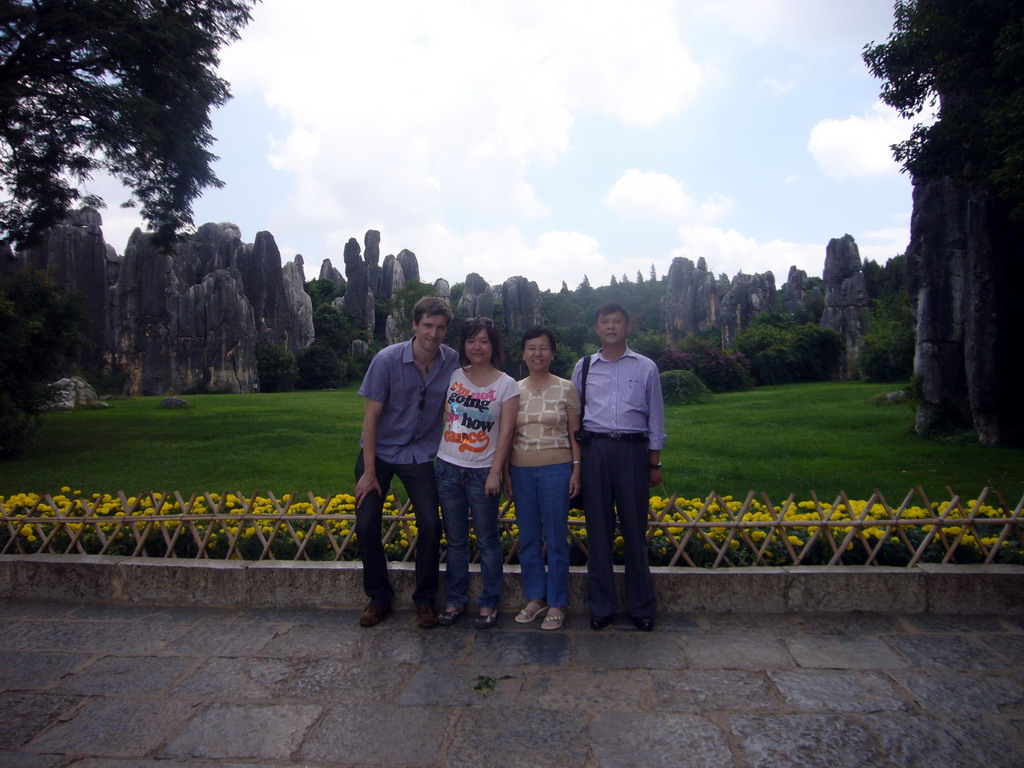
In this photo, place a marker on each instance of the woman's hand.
(574, 481)
(492, 486)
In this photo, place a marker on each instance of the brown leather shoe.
(425, 617)
(374, 614)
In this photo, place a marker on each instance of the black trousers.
(614, 475)
(419, 485)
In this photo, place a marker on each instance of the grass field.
(780, 440)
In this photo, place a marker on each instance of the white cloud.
(730, 252)
(650, 195)
(400, 112)
(858, 146)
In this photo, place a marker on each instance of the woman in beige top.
(544, 472)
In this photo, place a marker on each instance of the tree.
(41, 328)
(276, 367)
(964, 58)
(319, 368)
(124, 86)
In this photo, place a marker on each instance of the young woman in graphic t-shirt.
(479, 421)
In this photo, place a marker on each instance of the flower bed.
(717, 531)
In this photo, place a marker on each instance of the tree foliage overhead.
(124, 86)
(965, 57)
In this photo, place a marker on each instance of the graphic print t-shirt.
(472, 416)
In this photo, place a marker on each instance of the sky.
(557, 139)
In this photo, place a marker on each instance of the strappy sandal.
(486, 621)
(554, 619)
(450, 615)
(532, 610)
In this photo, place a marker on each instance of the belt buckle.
(615, 435)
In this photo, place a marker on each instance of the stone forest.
(192, 319)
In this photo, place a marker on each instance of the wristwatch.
(656, 466)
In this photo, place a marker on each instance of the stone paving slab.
(100, 685)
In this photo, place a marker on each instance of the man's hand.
(655, 478)
(367, 482)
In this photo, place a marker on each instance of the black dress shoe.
(644, 623)
(600, 622)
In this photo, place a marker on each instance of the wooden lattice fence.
(713, 532)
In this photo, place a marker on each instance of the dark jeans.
(614, 475)
(419, 485)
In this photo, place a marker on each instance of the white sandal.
(532, 610)
(554, 619)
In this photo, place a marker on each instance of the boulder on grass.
(173, 402)
(73, 392)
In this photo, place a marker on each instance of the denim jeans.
(542, 512)
(461, 490)
(419, 485)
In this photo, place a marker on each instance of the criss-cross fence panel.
(710, 532)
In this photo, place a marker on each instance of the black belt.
(629, 437)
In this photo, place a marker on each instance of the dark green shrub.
(683, 388)
(319, 368)
(887, 353)
(276, 368)
(41, 328)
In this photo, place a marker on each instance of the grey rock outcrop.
(691, 298)
(75, 254)
(357, 299)
(282, 310)
(477, 298)
(182, 322)
(443, 289)
(964, 274)
(799, 294)
(520, 300)
(332, 275)
(747, 297)
(73, 392)
(371, 251)
(846, 297)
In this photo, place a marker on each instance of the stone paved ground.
(113, 686)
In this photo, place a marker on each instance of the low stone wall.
(923, 589)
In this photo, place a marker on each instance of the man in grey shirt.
(404, 387)
(622, 437)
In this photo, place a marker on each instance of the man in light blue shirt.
(622, 437)
(405, 388)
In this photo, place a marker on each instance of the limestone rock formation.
(477, 298)
(520, 299)
(182, 323)
(283, 312)
(357, 281)
(75, 254)
(846, 297)
(371, 251)
(691, 298)
(963, 275)
(443, 289)
(799, 294)
(73, 392)
(329, 273)
(747, 297)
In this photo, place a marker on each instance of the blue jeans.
(542, 512)
(460, 490)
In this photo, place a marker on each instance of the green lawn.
(780, 440)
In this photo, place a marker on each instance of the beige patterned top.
(542, 436)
